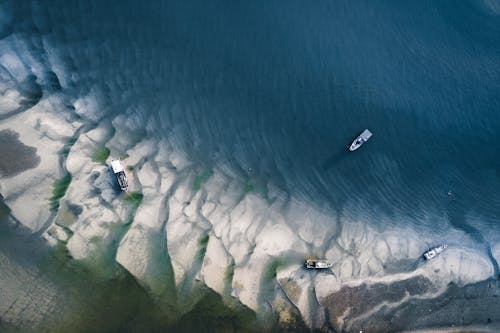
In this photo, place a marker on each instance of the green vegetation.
(228, 278)
(134, 198)
(130, 168)
(67, 146)
(202, 242)
(59, 190)
(270, 271)
(200, 179)
(101, 154)
(248, 187)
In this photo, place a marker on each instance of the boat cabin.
(119, 172)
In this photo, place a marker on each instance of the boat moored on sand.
(360, 140)
(119, 172)
(318, 264)
(432, 253)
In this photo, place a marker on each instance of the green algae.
(101, 154)
(200, 179)
(248, 187)
(59, 190)
(202, 247)
(134, 198)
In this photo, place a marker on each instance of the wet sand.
(388, 307)
(16, 156)
(43, 290)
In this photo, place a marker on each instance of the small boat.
(362, 138)
(119, 172)
(428, 255)
(318, 263)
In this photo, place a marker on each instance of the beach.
(191, 226)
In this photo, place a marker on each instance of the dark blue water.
(283, 89)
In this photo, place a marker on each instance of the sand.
(237, 243)
(205, 225)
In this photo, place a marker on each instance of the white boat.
(318, 264)
(362, 138)
(119, 172)
(434, 251)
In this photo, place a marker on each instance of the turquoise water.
(283, 88)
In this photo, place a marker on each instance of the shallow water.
(44, 290)
(282, 89)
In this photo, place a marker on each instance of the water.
(284, 91)
(283, 88)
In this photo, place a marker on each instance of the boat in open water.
(318, 264)
(432, 253)
(119, 172)
(360, 140)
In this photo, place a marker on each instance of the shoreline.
(207, 227)
(212, 226)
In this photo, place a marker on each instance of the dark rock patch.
(16, 157)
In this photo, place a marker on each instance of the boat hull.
(432, 253)
(360, 140)
(318, 264)
(119, 172)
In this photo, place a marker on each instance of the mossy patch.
(202, 247)
(248, 187)
(101, 154)
(59, 190)
(200, 179)
(134, 198)
(228, 279)
(270, 271)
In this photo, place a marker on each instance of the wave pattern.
(284, 94)
(247, 93)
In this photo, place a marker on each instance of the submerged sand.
(245, 240)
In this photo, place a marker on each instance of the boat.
(119, 172)
(362, 138)
(432, 253)
(318, 263)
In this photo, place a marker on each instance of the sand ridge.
(192, 224)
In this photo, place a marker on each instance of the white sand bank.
(204, 225)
